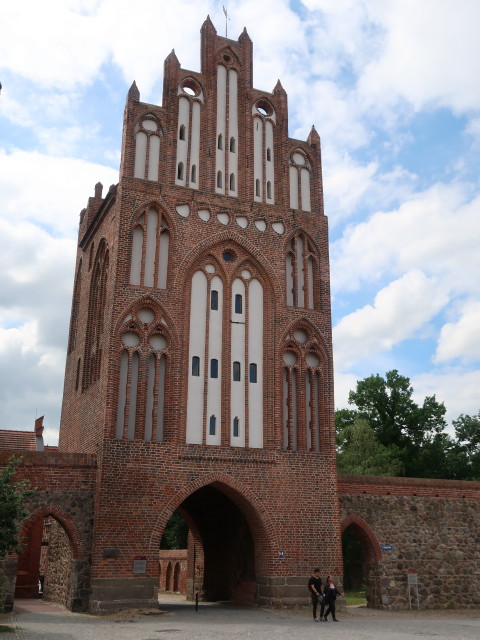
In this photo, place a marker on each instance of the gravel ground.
(178, 620)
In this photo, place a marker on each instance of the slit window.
(233, 145)
(214, 300)
(236, 427)
(257, 188)
(180, 171)
(220, 141)
(181, 133)
(232, 182)
(214, 368)
(253, 372)
(236, 371)
(219, 179)
(269, 190)
(195, 366)
(238, 303)
(193, 173)
(269, 155)
(213, 425)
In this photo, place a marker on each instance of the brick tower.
(199, 366)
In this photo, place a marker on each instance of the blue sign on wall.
(386, 547)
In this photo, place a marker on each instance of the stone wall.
(58, 570)
(428, 526)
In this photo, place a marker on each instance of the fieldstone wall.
(428, 526)
(59, 565)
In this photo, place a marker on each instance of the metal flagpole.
(225, 11)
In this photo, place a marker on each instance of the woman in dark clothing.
(330, 592)
(315, 588)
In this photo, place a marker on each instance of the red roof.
(18, 440)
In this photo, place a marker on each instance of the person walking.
(330, 593)
(316, 593)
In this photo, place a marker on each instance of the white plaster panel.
(242, 221)
(198, 316)
(305, 182)
(221, 125)
(195, 143)
(140, 155)
(183, 210)
(257, 157)
(289, 276)
(153, 158)
(214, 386)
(300, 273)
(237, 395)
(261, 225)
(182, 145)
(316, 413)
(233, 127)
(285, 408)
(204, 214)
(132, 412)
(223, 218)
(161, 398)
(149, 125)
(163, 259)
(151, 248)
(150, 398)
(293, 187)
(122, 395)
(308, 411)
(278, 227)
(255, 354)
(299, 158)
(294, 410)
(310, 282)
(269, 166)
(137, 247)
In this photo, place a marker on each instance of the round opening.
(226, 58)
(130, 339)
(264, 107)
(312, 360)
(157, 342)
(300, 336)
(228, 256)
(189, 90)
(262, 110)
(289, 358)
(145, 315)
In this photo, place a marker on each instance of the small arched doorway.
(361, 557)
(45, 565)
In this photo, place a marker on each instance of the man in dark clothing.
(315, 588)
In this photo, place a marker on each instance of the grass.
(5, 629)
(355, 597)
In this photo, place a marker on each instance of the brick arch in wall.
(365, 533)
(188, 264)
(79, 551)
(316, 334)
(147, 300)
(255, 513)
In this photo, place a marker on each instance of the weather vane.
(227, 17)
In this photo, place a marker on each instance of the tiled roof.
(18, 440)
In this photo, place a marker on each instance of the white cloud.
(400, 309)
(461, 339)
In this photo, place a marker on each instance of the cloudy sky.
(393, 88)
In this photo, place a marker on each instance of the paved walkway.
(178, 620)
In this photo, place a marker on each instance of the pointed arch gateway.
(362, 557)
(235, 536)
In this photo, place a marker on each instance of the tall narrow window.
(181, 134)
(220, 142)
(269, 190)
(236, 425)
(236, 371)
(257, 187)
(214, 300)
(232, 182)
(150, 246)
(195, 366)
(212, 425)
(219, 179)
(180, 171)
(232, 145)
(253, 372)
(193, 177)
(238, 303)
(214, 368)
(269, 155)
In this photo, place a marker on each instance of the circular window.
(228, 256)
(209, 268)
(264, 108)
(130, 339)
(300, 336)
(312, 360)
(289, 358)
(157, 342)
(246, 274)
(190, 87)
(226, 58)
(299, 158)
(145, 315)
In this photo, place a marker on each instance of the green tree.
(417, 432)
(12, 511)
(175, 534)
(359, 452)
(466, 455)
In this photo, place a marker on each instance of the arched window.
(253, 372)
(269, 155)
(212, 425)
(219, 180)
(141, 391)
(150, 249)
(236, 372)
(233, 145)
(214, 368)
(220, 141)
(214, 300)
(180, 171)
(181, 133)
(302, 272)
(269, 190)
(195, 366)
(236, 427)
(147, 144)
(232, 182)
(238, 303)
(193, 177)
(257, 187)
